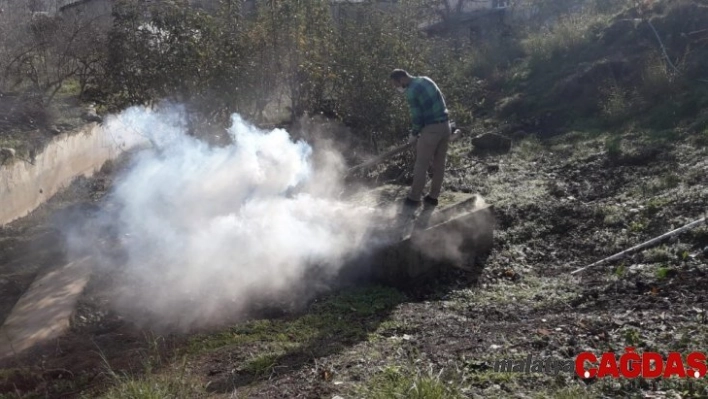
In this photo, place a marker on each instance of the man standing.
(430, 130)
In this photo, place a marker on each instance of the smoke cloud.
(208, 231)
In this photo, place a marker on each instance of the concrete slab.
(457, 233)
(44, 311)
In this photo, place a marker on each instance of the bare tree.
(41, 51)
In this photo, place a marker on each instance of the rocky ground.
(560, 204)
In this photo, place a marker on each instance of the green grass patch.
(620, 271)
(352, 314)
(395, 383)
(262, 364)
(613, 216)
(663, 272)
(529, 148)
(490, 377)
(535, 291)
(656, 204)
(349, 315)
(657, 254)
(69, 88)
(638, 226)
(571, 392)
(155, 387)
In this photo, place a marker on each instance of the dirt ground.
(560, 205)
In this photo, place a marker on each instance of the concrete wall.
(25, 186)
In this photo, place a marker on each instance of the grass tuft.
(395, 383)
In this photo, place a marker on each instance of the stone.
(6, 154)
(54, 130)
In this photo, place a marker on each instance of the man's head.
(400, 79)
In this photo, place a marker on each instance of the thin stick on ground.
(644, 245)
(663, 49)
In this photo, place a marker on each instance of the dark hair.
(398, 74)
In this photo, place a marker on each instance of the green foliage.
(287, 56)
(569, 34)
(637, 227)
(621, 270)
(656, 204)
(155, 380)
(369, 45)
(632, 337)
(663, 272)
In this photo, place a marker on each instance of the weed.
(567, 34)
(154, 387)
(530, 148)
(617, 103)
(632, 337)
(263, 364)
(621, 270)
(492, 377)
(338, 315)
(394, 383)
(656, 255)
(671, 181)
(572, 392)
(687, 388)
(69, 88)
(656, 204)
(613, 216)
(613, 147)
(663, 272)
(657, 81)
(637, 227)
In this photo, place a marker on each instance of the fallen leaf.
(326, 375)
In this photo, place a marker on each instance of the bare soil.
(560, 205)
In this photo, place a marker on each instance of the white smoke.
(209, 230)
